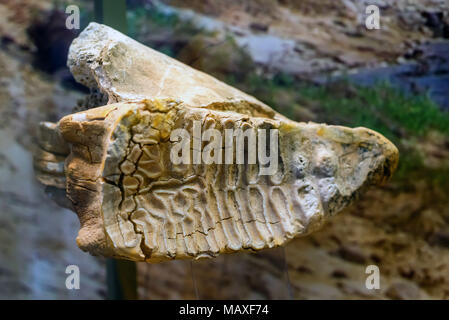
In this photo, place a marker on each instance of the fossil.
(135, 203)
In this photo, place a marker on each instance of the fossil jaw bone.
(134, 203)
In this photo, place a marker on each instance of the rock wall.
(309, 37)
(37, 237)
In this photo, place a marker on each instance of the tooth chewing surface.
(153, 210)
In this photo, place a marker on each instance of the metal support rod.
(121, 279)
(287, 276)
(195, 288)
(112, 13)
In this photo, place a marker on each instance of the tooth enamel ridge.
(134, 203)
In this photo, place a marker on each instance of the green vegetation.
(151, 18)
(158, 29)
(382, 108)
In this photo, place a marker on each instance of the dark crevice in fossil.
(94, 99)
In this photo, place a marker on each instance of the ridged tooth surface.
(155, 210)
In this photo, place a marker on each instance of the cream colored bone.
(134, 203)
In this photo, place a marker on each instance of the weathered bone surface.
(133, 202)
(125, 70)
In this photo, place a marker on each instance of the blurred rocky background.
(311, 61)
(37, 238)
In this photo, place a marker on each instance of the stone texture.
(18, 16)
(36, 236)
(134, 203)
(306, 38)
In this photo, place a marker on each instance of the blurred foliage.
(381, 107)
(165, 32)
(140, 18)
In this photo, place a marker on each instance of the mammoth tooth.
(160, 173)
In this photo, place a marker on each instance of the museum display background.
(277, 51)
